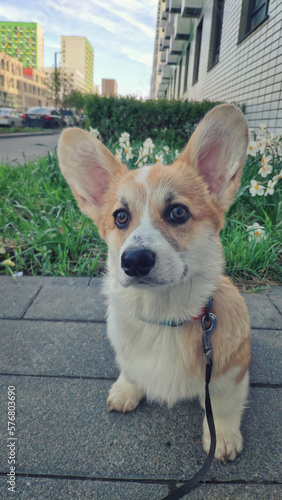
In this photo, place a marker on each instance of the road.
(17, 150)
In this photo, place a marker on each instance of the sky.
(121, 32)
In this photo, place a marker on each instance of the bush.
(171, 122)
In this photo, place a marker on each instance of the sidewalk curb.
(28, 134)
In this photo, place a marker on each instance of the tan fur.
(169, 364)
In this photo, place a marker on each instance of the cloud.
(137, 55)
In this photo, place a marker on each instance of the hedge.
(171, 122)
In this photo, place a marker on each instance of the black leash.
(189, 485)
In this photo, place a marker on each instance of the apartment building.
(24, 41)
(69, 80)
(77, 54)
(109, 87)
(221, 50)
(20, 87)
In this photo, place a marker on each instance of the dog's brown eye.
(121, 218)
(177, 214)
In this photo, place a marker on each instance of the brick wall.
(248, 73)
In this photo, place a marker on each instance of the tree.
(75, 100)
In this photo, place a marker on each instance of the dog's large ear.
(88, 167)
(218, 149)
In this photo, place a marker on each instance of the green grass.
(44, 233)
(13, 130)
(43, 230)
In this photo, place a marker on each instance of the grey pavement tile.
(29, 488)
(68, 303)
(275, 295)
(235, 492)
(50, 348)
(83, 349)
(64, 428)
(16, 297)
(263, 313)
(46, 280)
(265, 367)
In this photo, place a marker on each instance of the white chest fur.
(151, 357)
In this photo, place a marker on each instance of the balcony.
(166, 43)
(168, 31)
(164, 15)
(182, 28)
(171, 59)
(166, 70)
(160, 94)
(191, 8)
(167, 2)
(175, 6)
(163, 57)
(175, 47)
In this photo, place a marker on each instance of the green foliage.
(75, 100)
(44, 232)
(171, 122)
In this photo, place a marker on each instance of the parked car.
(82, 120)
(42, 117)
(9, 117)
(68, 118)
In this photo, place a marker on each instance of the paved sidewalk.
(54, 351)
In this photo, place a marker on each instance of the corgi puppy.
(162, 224)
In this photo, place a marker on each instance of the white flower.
(277, 177)
(270, 188)
(256, 189)
(94, 131)
(148, 146)
(176, 152)
(119, 154)
(124, 139)
(166, 149)
(256, 232)
(160, 158)
(253, 148)
(262, 127)
(261, 143)
(128, 152)
(265, 167)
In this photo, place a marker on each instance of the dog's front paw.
(124, 396)
(229, 444)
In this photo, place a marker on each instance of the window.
(216, 29)
(179, 79)
(253, 13)
(197, 52)
(186, 68)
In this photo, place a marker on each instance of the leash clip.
(207, 331)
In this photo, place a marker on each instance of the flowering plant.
(266, 149)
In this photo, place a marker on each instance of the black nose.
(137, 262)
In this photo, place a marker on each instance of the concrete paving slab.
(29, 488)
(16, 298)
(50, 348)
(77, 303)
(262, 312)
(67, 489)
(265, 367)
(275, 295)
(44, 280)
(64, 428)
(83, 349)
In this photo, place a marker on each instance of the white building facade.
(222, 50)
